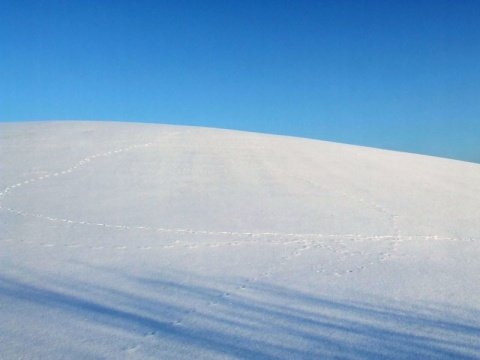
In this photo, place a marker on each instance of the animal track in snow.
(307, 240)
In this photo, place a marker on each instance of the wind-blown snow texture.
(150, 241)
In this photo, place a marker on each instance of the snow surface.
(137, 241)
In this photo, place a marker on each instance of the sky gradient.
(401, 75)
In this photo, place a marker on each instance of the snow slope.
(137, 241)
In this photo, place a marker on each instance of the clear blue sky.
(402, 75)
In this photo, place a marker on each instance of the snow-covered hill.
(152, 241)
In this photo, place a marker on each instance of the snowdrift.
(153, 241)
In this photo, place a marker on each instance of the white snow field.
(144, 241)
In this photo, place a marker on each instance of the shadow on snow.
(261, 322)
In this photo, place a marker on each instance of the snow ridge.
(122, 287)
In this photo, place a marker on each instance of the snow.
(137, 241)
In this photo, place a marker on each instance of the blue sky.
(402, 75)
